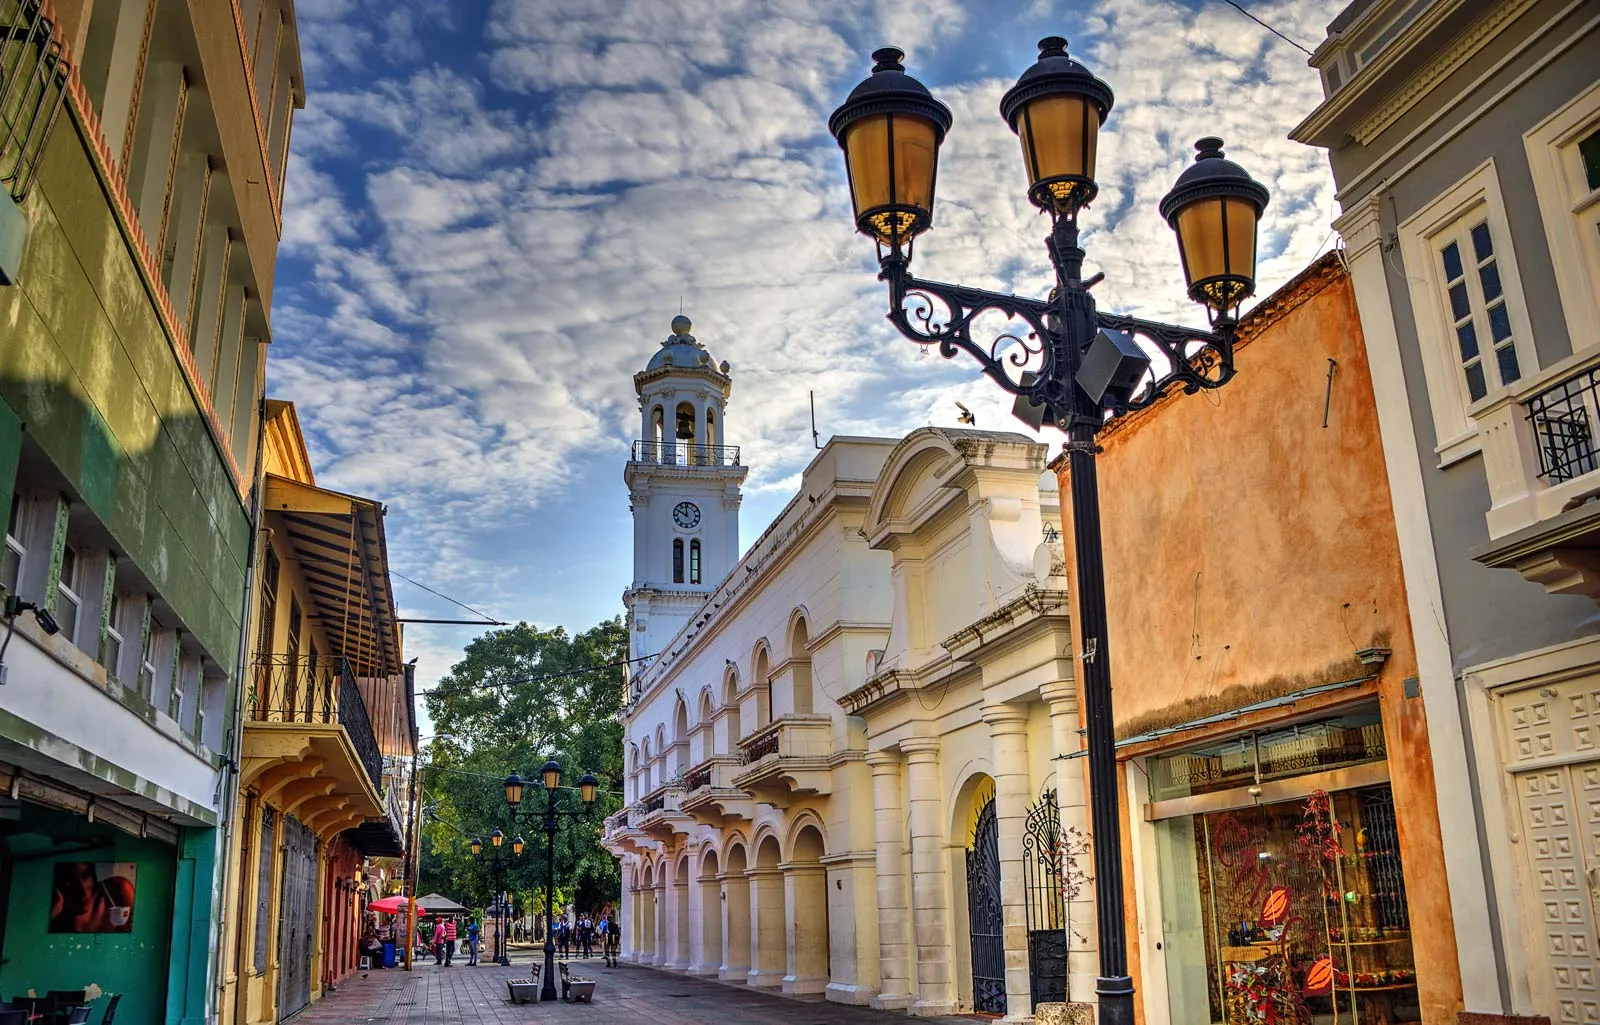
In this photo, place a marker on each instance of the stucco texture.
(1250, 552)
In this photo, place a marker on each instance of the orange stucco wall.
(1250, 551)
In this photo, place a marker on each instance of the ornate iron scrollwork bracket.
(1039, 359)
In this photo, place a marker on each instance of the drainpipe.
(230, 774)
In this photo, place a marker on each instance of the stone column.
(735, 927)
(929, 901)
(1072, 793)
(678, 938)
(767, 939)
(658, 918)
(894, 993)
(626, 913)
(710, 917)
(1008, 733)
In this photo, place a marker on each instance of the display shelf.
(1386, 988)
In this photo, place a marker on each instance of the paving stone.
(628, 995)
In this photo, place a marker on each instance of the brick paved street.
(629, 995)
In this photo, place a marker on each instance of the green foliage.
(489, 723)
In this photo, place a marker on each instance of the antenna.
(814, 437)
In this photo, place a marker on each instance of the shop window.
(677, 560)
(157, 653)
(694, 562)
(12, 559)
(1264, 757)
(68, 604)
(1478, 314)
(1293, 911)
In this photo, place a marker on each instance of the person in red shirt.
(449, 941)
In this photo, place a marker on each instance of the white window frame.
(1422, 235)
(1570, 211)
(114, 645)
(14, 545)
(68, 589)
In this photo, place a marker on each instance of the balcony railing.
(1563, 418)
(652, 804)
(685, 453)
(315, 691)
(791, 736)
(697, 777)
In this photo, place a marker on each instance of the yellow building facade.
(327, 729)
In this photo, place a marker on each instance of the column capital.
(920, 749)
(1361, 225)
(1061, 696)
(883, 762)
(1005, 718)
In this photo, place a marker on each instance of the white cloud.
(493, 243)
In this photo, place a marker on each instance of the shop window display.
(1285, 912)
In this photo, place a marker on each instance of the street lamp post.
(1070, 366)
(551, 816)
(496, 839)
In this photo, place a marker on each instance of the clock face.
(686, 515)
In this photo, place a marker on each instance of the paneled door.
(297, 917)
(1559, 805)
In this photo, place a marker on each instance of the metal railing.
(652, 804)
(321, 690)
(685, 453)
(33, 83)
(1563, 418)
(759, 746)
(697, 777)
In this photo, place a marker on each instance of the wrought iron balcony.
(685, 453)
(1564, 417)
(710, 795)
(318, 690)
(788, 757)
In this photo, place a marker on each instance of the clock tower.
(683, 487)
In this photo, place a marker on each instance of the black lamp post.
(551, 816)
(497, 868)
(1071, 366)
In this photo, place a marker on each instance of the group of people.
(445, 937)
(581, 936)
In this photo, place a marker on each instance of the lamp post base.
(548, 990)
(1116, 999)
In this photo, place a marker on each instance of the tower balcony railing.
(685, 453)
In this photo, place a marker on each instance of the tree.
(521, 696)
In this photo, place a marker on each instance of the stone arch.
(761, 670)
(680, 736)
(806, 884)
(710, 956)
(735, 911)
(768, 934)
(644, 922)
(708, 707)
(799, 696)
(643, 785)
(976, 789)
(803, 820)
(678, 937)
(730, 701)
(658, 421)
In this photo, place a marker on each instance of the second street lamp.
(497, 870)
(550, 817)
(1070, 365)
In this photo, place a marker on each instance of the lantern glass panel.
(892, 160)
(1059, 134)
(477, 846)
(552, 775)
(587, 787)
(514, 790)
(1218, 238)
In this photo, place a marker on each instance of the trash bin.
(388, 955)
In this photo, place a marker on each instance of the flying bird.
(966, 416)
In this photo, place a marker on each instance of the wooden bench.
(523, 990)
(574, 987)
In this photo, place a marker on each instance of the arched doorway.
(646, 941)
(767, 940)
(736, 916)
(985, 924)
(806, 889)
(710, 959)
(679, 950)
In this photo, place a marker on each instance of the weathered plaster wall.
(87, 366)
(1250, 552)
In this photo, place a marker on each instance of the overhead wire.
(468, 688)
(1269, 28)
(489, 620)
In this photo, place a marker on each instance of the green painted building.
(142, 147)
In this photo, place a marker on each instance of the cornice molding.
(1361, 226)
(1461, 49)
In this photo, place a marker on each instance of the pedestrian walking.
(449, 941)
(472, 941)
(564, 938)
(438, 941)
(586, 936)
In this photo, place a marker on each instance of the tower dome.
(682, 350)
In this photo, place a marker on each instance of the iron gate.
(297, 903)
(983, 914)
(1047, 906)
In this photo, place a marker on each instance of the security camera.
(17, 605)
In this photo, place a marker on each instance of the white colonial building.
(851, 762)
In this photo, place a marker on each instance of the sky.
(495, 208)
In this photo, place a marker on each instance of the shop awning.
(389, 905)
(339, 543)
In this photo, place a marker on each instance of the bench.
(523, 990)
(574, 987)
